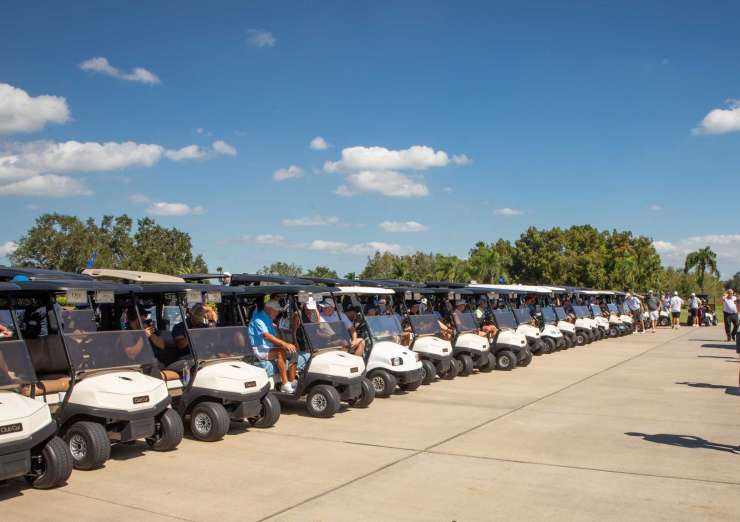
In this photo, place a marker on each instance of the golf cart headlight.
(396, 361)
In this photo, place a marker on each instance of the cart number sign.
(417, 296)
(76, 296)
(303, 297)
(193, 297)
(408, 296)
(450, 295)
(213, 297)
(492, 295)
(104, 296)
(458, 296)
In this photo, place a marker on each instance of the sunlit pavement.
(637, 428)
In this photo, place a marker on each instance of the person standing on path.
(694, 303)
(729, 307)
(676, 304)
(652, 305)
(634, 305)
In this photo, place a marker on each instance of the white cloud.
(319, 143)
(260, 38)
(49, 185)
(726, 246)
(185, 153)
(139, 199)
(461, 159)
(721, 121)
(403, 226)
(418, 157)
(506, 211)
(269, 239)
(361, 249)
(101, 65)
(289, 173)
(655, 207)
(221, 147)
(20, 112)
(386, 182)
(199, 130)
(8, 248)
(311, 221)
(162, 208)
(68, 156)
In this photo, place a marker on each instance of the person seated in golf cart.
(457, 314)
(268, 346)
(350, 318)
(196, 318)
(133, 345)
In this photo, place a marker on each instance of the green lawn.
(685, 316)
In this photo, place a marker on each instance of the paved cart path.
(642, 427)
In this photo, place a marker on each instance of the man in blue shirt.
(634, 305)
(269, 347)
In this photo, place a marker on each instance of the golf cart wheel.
(56, 465)
(467, 364)
(383, 382)
(664, 321)
(506, 360)
(209, 421)
(560, 343)
(613, 331)
(452, 372)
(569, 340)
(550, 345)
(580, 339)
(88, 442)
(168, 431)
(410, 386)
(524, 358)
(269, 412)
(366, 397)
(428, 372)
(322, 401)
(490, 363)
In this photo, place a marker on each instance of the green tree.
(322, 271)
(485, 263)
(700, 261)
(281, 268)
(733, 282)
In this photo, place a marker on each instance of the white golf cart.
(29, 446)
(326, 373)
(93, 368)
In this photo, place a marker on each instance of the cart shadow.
(726, 346)
(127, 451)
(13, 488)
(685, 441)
(725, 357)
(298, 407)
(729, 390)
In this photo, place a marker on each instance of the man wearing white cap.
(676, 304)
(694, 303)
(226, 278)
(268, 346)
(729, 308)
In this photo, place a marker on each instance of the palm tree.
(700, 261)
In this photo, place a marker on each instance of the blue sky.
(455, 123)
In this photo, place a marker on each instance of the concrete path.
(637, 428)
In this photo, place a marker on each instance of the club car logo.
(250, 384)
(354, 369)
(141, 400)
(11, 428)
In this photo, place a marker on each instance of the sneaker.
(287, 388)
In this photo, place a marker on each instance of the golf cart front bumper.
(239, 405)
(409, 377)
(15, 457)
(442, 363)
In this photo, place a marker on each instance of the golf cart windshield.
(596, 309)
(15, 364)
(426, 324)
(613, 308)
(504, 319)
(560, 311)
(549, 315)
(523, 315)
(322, 335)
(220, 342)
(383, 326)
(580, 312)
(90, 349)
(465, 322)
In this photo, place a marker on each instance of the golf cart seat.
(169, 375)
(50, 384)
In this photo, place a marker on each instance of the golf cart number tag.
(417, 296)
(492, 295)
(104, 296)
(141, 400)
(408, 295)
(213, 297)
(302, 297)
(458, 296)
(11, 428)
(450, 295)
(193, 297)
(76, 296)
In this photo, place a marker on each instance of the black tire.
(490, 363)
(56, 465)
(506, 360)
(366, 397)
(322, 401)
(88, 443)
(169, 431)
(560, 343)
(467, 364)
(209, 421)
(383, 382)
(581, 338)
(269, 412)
(524, 358)
(428, 371)
(410, 386)
(452, 372)
(613, 331)
(551, 345)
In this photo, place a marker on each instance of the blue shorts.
(271, 366)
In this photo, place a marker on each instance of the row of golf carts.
(110, 356)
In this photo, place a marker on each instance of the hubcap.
(202, 423)
(504, 361)
(319, 402)
(378, 383)
(78, 447)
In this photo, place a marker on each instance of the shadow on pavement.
(725, 346)
(685, 441)
(729, 390)
(725, 357)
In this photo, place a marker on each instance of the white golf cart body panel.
(626, 319)
(614, 319)
(231, 376)
(384, 351)
(602, 322)
(471, 341)
(528, 330)
(550, 330)
(15, 408)
(432, 345)
(116, 391)
(584, 323)
(565, 326)
(511, 338)
(337, 363)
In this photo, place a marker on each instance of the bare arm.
(279, 343)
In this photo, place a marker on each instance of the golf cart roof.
(330, 281)
(8, 273)
(415, 289)
(362, 290)
(516, 289)
(445, 284)
(446, 291)
(61, 285)
(394, 283)
(282, 289)
(182, 287)
(8, 287)
(255, 279)
(197, 278)
(131, 276)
